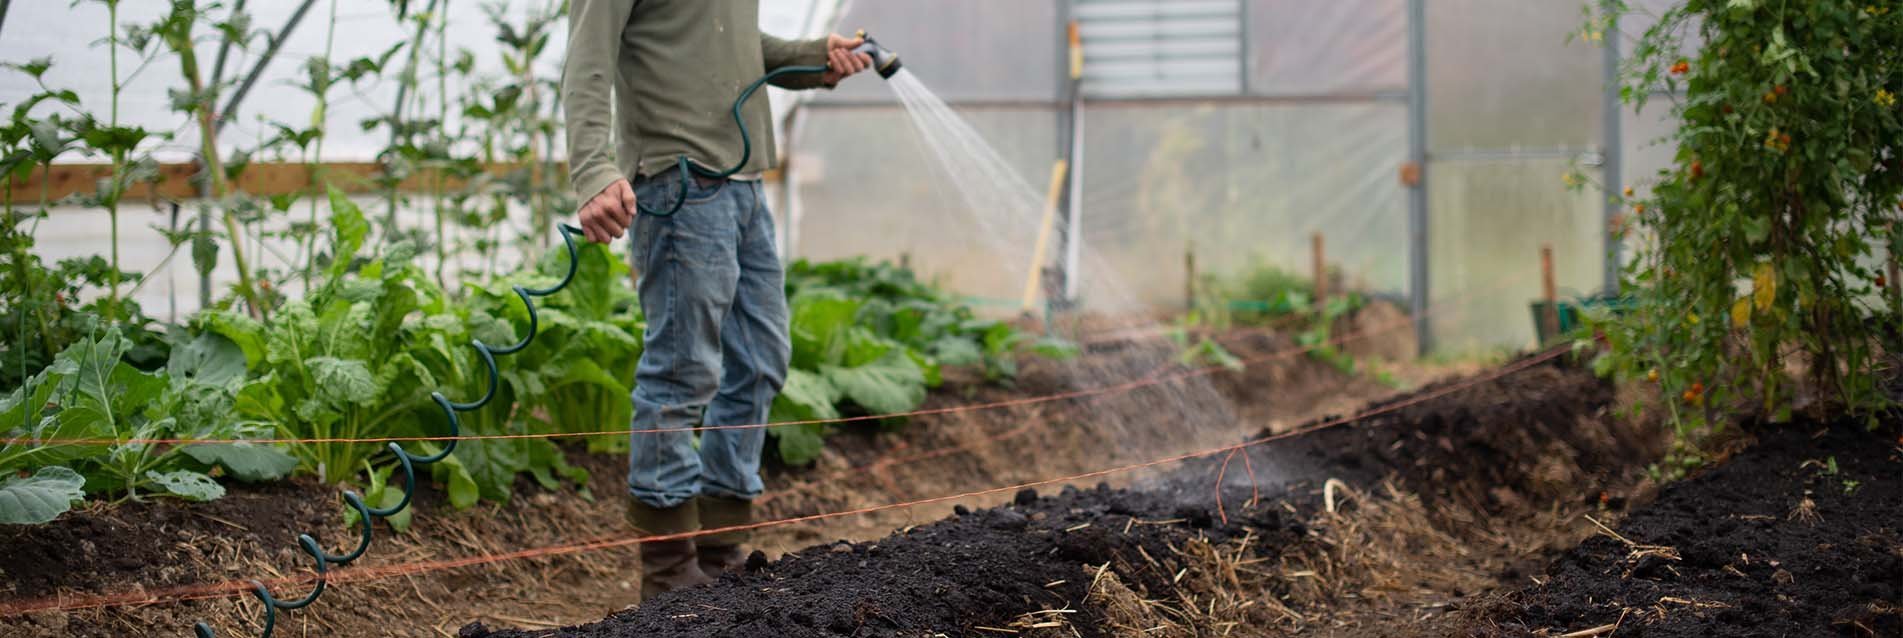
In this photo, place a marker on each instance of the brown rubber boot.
(667, 565)
(722, 552)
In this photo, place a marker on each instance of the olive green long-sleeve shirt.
(646, 81)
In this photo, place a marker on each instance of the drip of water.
(1008, 210)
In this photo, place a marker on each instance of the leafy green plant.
(1762, 245)
(577, 376)
(870, 338)
(340, 363)
(485, 468)
(1264, 295)
(41, 310)
(104, 415)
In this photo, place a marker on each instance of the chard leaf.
(260, 398)
(957, 351)
(806, 396)
(381, 495)
(242, 331)
(861, 346)
(344, 381)
(41, 497)
(819, 319)
(890, 385)
(293, 334)
(800, 444)
(188, 485)
(463, 491)
(350, 230)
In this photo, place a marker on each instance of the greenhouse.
(963, 318)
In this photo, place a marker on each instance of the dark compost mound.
(1800, 535)
(985, 569)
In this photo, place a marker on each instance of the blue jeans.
(716, 347)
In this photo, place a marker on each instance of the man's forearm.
(588, 77)
(780, 53)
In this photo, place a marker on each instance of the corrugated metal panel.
(1161, 47)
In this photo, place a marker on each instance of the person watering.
(648, 86)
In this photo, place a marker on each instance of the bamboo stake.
(1045, 226)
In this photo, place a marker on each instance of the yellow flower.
(1764, 286)
(1884, 98)
(1691, 318)
(1741, 313)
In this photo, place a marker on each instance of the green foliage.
(871, 339)
(578, 374)
(41, 497)
(342, 363)
(98, 405)
(1762, 244)
(1264, 295)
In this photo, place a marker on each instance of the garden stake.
(1321, 272)
(1549, 292)
(366, 515)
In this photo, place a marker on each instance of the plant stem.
(118, 159)
(215, 173)
(321, 122)
(442, 120)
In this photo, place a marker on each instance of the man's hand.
(607, 215)
(841, 62)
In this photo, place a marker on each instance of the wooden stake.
(1189, 278)
(1549, 291)
(1321, 271)
(1044, 229)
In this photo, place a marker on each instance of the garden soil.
(1800, 535)
(1104, 561)
(133, 547)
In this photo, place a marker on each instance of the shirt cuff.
(592, 181)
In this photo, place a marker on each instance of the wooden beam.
(262, 179)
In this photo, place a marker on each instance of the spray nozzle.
(883, 60)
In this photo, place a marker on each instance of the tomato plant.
(1778, 213)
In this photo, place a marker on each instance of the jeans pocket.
(661, 192)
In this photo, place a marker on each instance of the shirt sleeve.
(780, 53)
(588, 79)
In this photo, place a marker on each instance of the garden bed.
(1163, 556)
(1800, 535)
(128, 548)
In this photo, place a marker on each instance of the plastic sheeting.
(1238, 185)
(868, 186)
(1234, 184)
(1504, 74)
(1489, 220)
(965, 51)
(1303, 47)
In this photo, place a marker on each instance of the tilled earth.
(1514, 446)
(1800, 535)
(981, 569)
